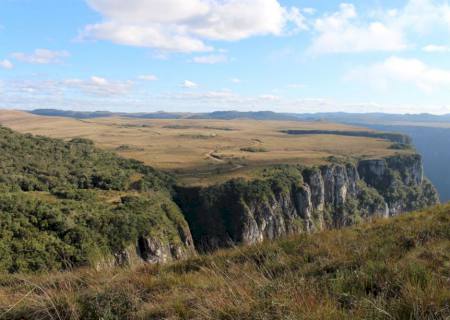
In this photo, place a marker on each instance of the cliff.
(68, 204)
(290, 200)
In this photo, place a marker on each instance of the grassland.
(205, 151)
(388, 269)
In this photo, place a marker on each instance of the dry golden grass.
(202, 151)
(387, 269)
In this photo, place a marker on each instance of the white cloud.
(210, 59)
(236, 80)
(269, 97)
(436, 48)
(41, 56)
(344, 32)
(99, 86)
(421, 16)
(185, 25)
(148, 77)
(395, 70)
(6, 64)
(155, 36)
(189, 84)
(66, 94)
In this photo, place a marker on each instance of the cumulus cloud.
(148, 77)
(186, 25)
(344, 32)
(420, 16)
(41, 56)
(6, 64)
(189, 84)
(236, 80)
(210, 59)
(395, 70)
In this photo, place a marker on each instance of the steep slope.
(65, 204)
(388, 269)
(290, 200)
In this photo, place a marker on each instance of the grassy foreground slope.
(388, 269)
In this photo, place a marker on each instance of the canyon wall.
(291, 200)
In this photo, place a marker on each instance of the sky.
(204, 55)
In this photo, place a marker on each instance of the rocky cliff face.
(164, 236)
(304, 200)
(288, 200)
(156, 250)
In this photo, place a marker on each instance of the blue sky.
(205, 55)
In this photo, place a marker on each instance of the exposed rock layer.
(331, 196)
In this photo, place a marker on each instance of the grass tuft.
(387, 269)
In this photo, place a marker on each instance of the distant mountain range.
(257, 115)
(220, 115)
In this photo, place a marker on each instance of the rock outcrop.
(311, 199)
(155, 251)
(161, 241)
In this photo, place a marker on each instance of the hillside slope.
(69, 204)
(389, 269)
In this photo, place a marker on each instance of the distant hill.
(255, 115)
(232, 115)
(219, 115)
(102, 114)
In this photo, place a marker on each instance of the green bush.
(54, 207)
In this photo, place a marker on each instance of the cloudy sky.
(204, 55)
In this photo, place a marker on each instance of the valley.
(139, 199)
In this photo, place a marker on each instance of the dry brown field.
(205, 151)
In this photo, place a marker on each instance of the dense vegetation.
(32, 163)
(389, 269)
(66, 204)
